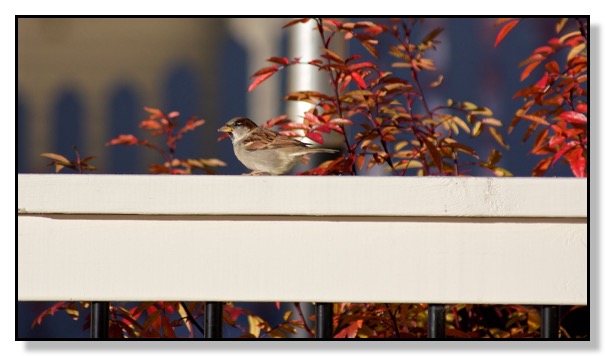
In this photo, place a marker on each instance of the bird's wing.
(269, 140)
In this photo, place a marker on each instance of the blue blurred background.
(83, 81)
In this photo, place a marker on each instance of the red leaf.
(504, 31)
(276, 121)
(295, 126)
(123, 140)
(335, 127)
(303, 20)
(154, 111)
(566, 147)
(173, 114)
(351, 330)
(265, 70)
(341, 121)
(552, 67)
(315, 136)
(277, 304)
(279, 60)
(50, 311)
(289, 133)
(542, 82)
(309, 116)
(577, 162)
(573, 117)
(359, 80)
(527, 71)
(150, 124)
(259, 79)
(582, 108)
(323, 128)
(361, 65)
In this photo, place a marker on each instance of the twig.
(394, 320)
(302, 317)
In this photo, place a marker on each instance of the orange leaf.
(303, 20)
(435, 155)
(332, 55)
(504, 31)
(154, 111)
(351, 330)
(530, 67)
(168, 331)
(541, 167)
(123, 140)
(552, 67)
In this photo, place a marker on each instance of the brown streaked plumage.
(265, 151)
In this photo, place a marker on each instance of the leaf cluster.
(555, 105)
(382, 114)
(167, 126)
(79, 165)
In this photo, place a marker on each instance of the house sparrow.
(265, 151)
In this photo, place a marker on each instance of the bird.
(264, 151)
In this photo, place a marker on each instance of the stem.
(335, 87)
(302, 317)
(394, 320)
(191, 318)
(582, 29)
(78, 162)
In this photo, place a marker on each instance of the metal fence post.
(436, 321)
(99, 320)
(213, 320)
(550, 322)
(323, 320)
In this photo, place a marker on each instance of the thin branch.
(394, 320)
(302, 317)
(335, 87)
(191, 318)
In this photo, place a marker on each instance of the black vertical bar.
(213, 320)
(550, 322)
(99, 320)
(436, 321)
(323, 320)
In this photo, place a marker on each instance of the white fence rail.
(320, 239)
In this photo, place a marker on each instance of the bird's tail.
(320, 150)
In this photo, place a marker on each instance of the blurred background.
(84, 81)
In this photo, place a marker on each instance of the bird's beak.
(225, 129)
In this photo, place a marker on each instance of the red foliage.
(383, 105)
(167, 126)
(556, 103)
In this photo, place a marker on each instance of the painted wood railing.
(437, 240)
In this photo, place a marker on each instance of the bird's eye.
(237, 123)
